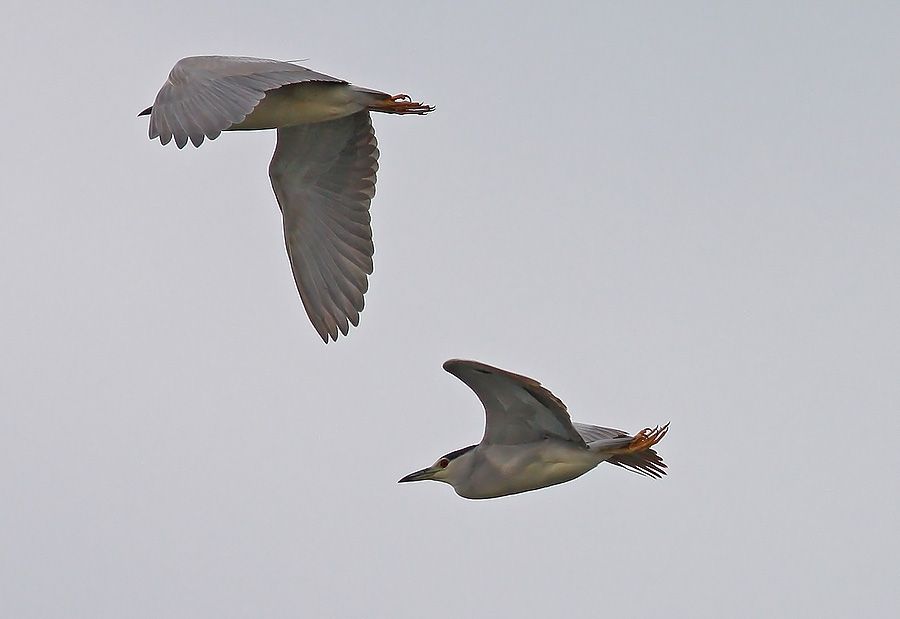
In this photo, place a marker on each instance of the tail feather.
(646, 462)
(633, 453)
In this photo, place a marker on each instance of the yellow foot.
(401, 104)
(645, 439)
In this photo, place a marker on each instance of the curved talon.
(400, 104)
(645, 439)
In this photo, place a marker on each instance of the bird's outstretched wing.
(323, 175)
(517, 408)
(204, 95)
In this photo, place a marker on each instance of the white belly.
(299, 104)
(510, 469)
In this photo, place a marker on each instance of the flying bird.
(530, 442)
(322, 172)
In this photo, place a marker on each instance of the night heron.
(530, 442)
(323, 169)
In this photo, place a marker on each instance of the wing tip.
(454, 366)
(339, 327)
(449, 364)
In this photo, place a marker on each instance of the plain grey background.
(681, 212)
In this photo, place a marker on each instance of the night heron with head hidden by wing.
(322, 172)
(530, 442)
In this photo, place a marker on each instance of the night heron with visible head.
(323, 169)
(530, 442)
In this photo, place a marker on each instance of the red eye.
(444, 462)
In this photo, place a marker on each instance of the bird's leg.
(400, 104)
(645, 439)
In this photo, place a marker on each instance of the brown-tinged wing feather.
(518, 409)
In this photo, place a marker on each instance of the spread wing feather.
(323, 175)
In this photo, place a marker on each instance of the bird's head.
(448, 468)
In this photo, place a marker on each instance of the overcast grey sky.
(679, 212)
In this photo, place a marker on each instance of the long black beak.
(422, 475)
(146, 112)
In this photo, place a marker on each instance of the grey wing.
(517, 408)
(323, 175)
(646, 462)
(204, 95)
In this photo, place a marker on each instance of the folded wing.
(323, 175)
